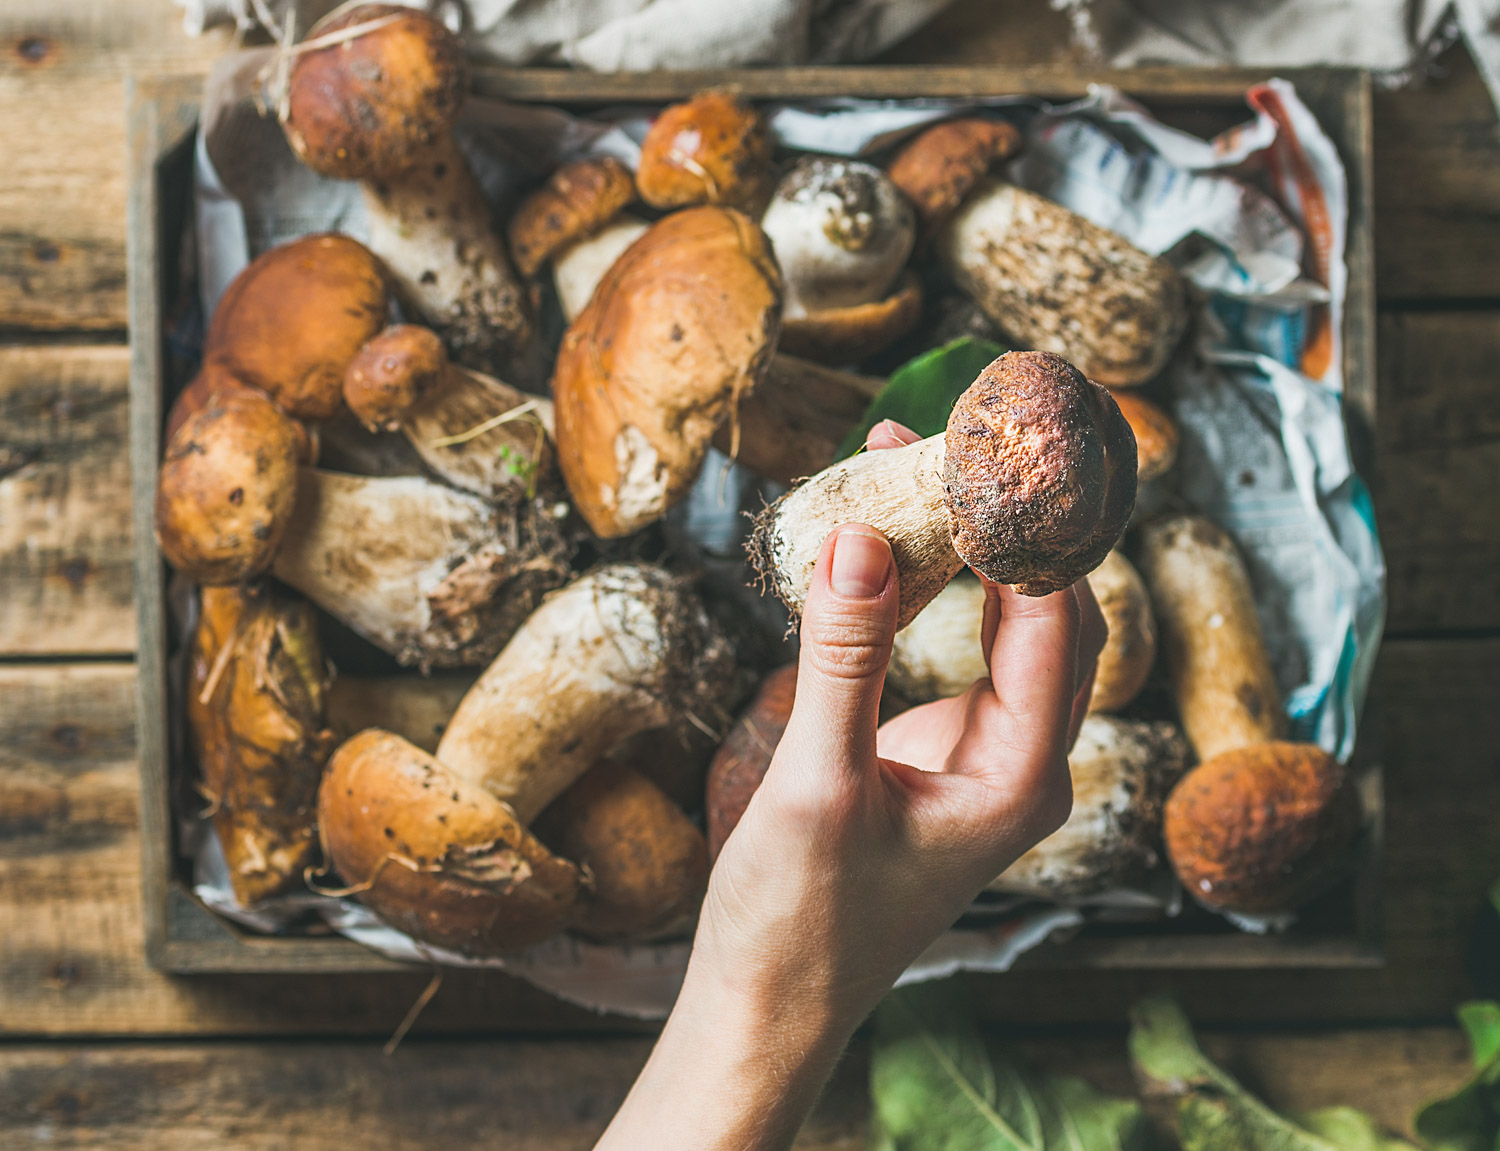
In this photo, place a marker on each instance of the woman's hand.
(859, 848)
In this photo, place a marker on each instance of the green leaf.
(1469, 1118)
(935, 1087)
(1215, 1113)
(921, 392)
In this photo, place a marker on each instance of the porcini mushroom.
(1031, 484)
(1258, 830)
(227, 488)
(436, 577)
(681, 327)
(255, 707)
(619, 650)
(1122, 770)
(712, 149)
(454, 417)
(577, 200)
(1155, 433)
(291, 321)
(578, 268)
(372, 96)
(215, 378)
(1130, 649)
(1049, 277)
(842, 233)
(742, 759)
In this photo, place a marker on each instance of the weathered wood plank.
(72, 962)
(547, 1096)
(65, 535)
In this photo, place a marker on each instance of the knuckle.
(845, 648)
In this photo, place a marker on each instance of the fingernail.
(861, 565)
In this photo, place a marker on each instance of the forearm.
(732, 1070)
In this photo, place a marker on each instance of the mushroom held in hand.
(378, 106)
(226, 488)
(255, 709)
(1122, 770)
(712, 149)
(436, 577)
(291, 321)
(456, 419)
(678, 330)
(1260, 829)
(842, 233)
(1226, 691)
(1031, 485)
(1047, 276)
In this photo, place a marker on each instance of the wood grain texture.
(551, 1096)
(72, 959)
(65, 561)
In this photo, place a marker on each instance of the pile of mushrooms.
(720, 296)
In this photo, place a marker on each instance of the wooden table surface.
(97, 1049)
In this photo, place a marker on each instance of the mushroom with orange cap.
(714, 148)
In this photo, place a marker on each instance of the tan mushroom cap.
(391, 373)
(577, 200)
(1130, 649)
(846, 335)
(1156, 433)
(1260, 829)
(367, 106)
(712, 149)
(227, 488)
(291, 322)
(682, 325)
(436, 856)
(940, 166)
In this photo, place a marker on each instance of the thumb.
(848, 623)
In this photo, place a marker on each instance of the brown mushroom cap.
(577, 200)
(745, 755)
(226, 488)
(1262, 828)
(291, 322)
(444, 860)
(367, 106)
(215, 378)
(681, 326)
(648, 861)
(391, 373)
(845, 335)
(712, 149)
(939, 167)
(1155, 434)
(1039, 473)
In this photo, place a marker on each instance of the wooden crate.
(184, 936)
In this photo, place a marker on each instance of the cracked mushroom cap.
(366, 106)
(291, 322)
(682, 325)
(391, 373)
(1263, 828)
(712, 149)
(1039, 472)
(937, 168)
(576, 201)
(436, 856)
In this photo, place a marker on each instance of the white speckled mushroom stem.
(506, 460)
(433, 229)
(586, 670)
(897, 491)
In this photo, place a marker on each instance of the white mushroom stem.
(482, 435)
(618, 651)
(433, 229)
(897, 491)
(1122, 770)
(435, 576)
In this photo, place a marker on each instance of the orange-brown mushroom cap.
(1039, 471)
(366, 106)
(576, 201)
(846, 335)
(391, 373)
(940, 166)
(1262, 828)
(291, 322)
(436, 856)
(1155, 433)
(712, 149)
